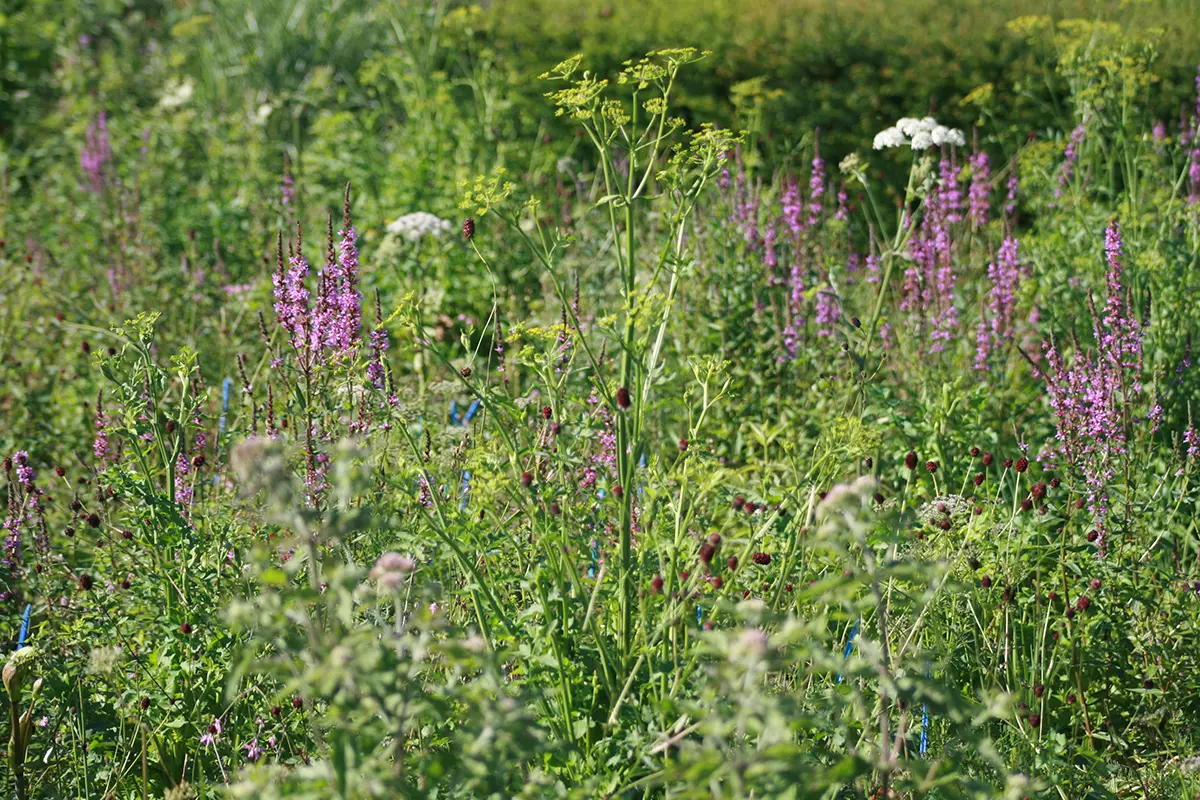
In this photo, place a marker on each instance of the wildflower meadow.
(411, 398)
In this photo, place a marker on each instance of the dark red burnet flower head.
(986, 581)
(974, 452)
(739, 503)
(707, 551)
(683, 445)
(987, 459)
(86, 582)
(762, 558)
(526, 479)
(547, 412)
(910, 460)
(1083, 603)
(656, 584)
(1039, 690)
(624, 401)
(468, 229)
(1038, 490)
(185, 628)
(732, 563)
(1022, 464)
(931, 467)
(1008, 462)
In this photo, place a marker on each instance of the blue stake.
(453, 412)
(924, 724)
(699, 615)
(849, 645)
(24, 626)
(595, 558)
(224, 404)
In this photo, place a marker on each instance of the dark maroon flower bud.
(1070, 613)
(85, 347)
(126, 534)
(716, 581)
(93, 520)
(297, 702)
(1070, 699)
(1007, 594)
(1022, 464)
(76, 505)
(468, 229)
(714, 539)
(1093, 536)
(944, 524)
(199, 460)
(787, 587)
(185, 628)
(68, 531)
(683, 445)
(60, 471)
(878, 499)
(931, 466)
(1008, 462)
(746, 594)
(974, 452)
(1026, 504)
(555, 428)
(618, 492)
(1053, 597)
(732, 563)
(1039, 690)
(751, 508)
(1083, 603)
(85, 582)
(987, 459)
(526, 479)
(986, 581)
(762, 558)
(1079, 503)
(125, 583)
(973, 562)
(1038, 490)
(276, 711)
(708, 626)
(979, 479)
(1034, 720)
(465, 372)
(739, 503)
(856, 322)
(1095, 583)
(555, 510)
(144, 703)
(656, 584)
(623, 399)
(1055, 482)
(941, 507)
(1147, 684)
(910, 460)
(707, 551)
(547, 412)
(978, 510)
(684, 575)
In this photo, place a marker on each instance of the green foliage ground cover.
(393, 403)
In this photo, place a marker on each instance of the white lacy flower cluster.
(417, 224)
(920, 134)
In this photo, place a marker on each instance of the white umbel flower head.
(890, 137)
(922, 140)
(942, 135)
(920, 134)
(418, 224)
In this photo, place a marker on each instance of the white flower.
(923, 140)
(177, 93)
(890, 137)
(943, 135)
(417, 224)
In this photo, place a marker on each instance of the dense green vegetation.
(420, 399)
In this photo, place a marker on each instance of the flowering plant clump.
(702, 454)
